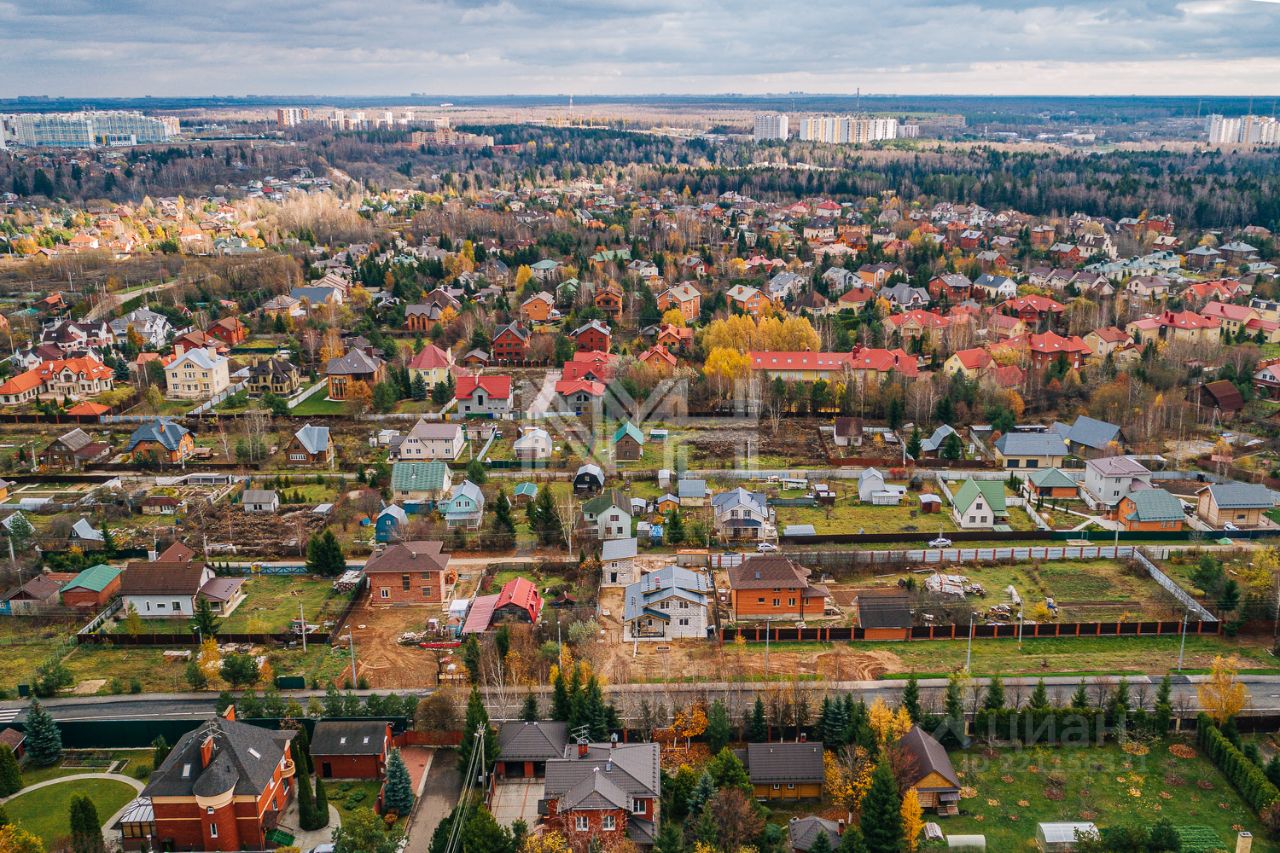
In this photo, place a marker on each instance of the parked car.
(940, 542)
(1229, 526)
(766, 547)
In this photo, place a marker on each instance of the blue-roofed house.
(161, 440)
(1090, 438)
(670, 603)
(692, 493)
(524, 493)
(933, 443)
(1031, 450)
(1240, 504)
(464, 507)
(311, 445)
(390, 522)
(317, 295)
(741, 514)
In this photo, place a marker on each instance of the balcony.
(288, 770)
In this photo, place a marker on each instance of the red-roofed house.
(484, 395)
(1185, 326)
(856, 297)
(969, 362)
(578, 395)
(1033, 310)
(1047, 348)
(800, 366)
(917, 323)
(1004, 327)
(518, 601)
(1232, 317)
(658, 355)
(593, 335)
(229, 330)
(594, 365)
(1108, 340)
(675, 337)
(867, 362)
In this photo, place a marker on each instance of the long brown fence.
(1030, 630)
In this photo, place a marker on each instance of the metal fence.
(1174, 589)
(1041, 630)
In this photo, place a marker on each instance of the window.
(404, 582)
(177, 605)
(791, 602)
(608, 822)
(777, 602)
(208, 810)
(637, 806)
(759, 601)
(213, 830)
(791, 787)
(581, 823)
(684, 621)
(777, 787)
(386, 593)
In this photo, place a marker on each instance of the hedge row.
(1247, 777)
(1044, 726)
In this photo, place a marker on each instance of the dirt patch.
(382, 660)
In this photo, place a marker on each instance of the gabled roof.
(314, 439)
(162, 579)
(418, 476)
(971, 489)
(604, 501)
(776, 763)
(1117, 466)
(497, 387)
(356, 362)
(95, 578)
(1240, 495)
(164, 432)
(1031, 444)
(768, 571)
(628, 429)
(349, 737)
(1093, 433)
(928, 756)
(1052, 478)
(244, 760)
(667, 582)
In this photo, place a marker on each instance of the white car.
(1229, 526)
(766, 547)
(940, 542)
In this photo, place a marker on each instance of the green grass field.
(271, 603)
(316, 404)
(1015, 790)
(348, 795)
(44, 812)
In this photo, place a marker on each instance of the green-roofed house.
(1048, 483)
(92, 589)
(1150, 509)
(979, 504)
(420, 482)
(628, 442)
(525, 493)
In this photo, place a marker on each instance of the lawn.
(271, 603)
(846, 517)
(25, 643)
(316, 404)
(1015, 790)
(347, 795)
(156, 675)
(45, 812)
(93, 761)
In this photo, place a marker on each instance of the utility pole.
(351, 639)
(1182, 645)
(768, 626)
(968, 655)
(302, 621)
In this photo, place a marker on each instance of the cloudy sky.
(490, 47)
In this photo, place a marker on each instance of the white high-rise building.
(771, 126)
(1244, 130)
(848, 130)
(88, 129)
(292, 116)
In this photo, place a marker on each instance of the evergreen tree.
(159, 750)
(44, 739)
(306, 799)
(321, 806)
(86, 826)
(561, 704)
(477, 721)
(995, 694)
(398, 794)
(205, 622)
(502, 521)
(852, 841)
(324, 555)
(911, 698)
(670, 838)
(476, 472)
(758, 728)
(529, 711)
(881, 821)
(821, 844)
(10, 774)
(701, 793)
(1080, 699)
(718, 732)
(1039, 697)
(913, 444)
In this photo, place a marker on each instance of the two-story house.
(740, 514)
(431, 440)
(464, 507)
(310, 445)
(278, 376)
(607, 516)
(772, 586)
(197, 374)
(603, 793)
(490, 396)
(671, 603)
(410, 573)
(1109, 479)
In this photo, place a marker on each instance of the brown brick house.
(410, 573)
(771, 586)
(605, 792)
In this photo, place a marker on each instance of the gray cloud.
(354, 47)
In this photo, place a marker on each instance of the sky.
(128, 48)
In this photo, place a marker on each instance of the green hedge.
(1046, 726)
(1247, 777)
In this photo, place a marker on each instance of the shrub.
(1245, 776)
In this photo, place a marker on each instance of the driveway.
(517, 799)
(435, 800)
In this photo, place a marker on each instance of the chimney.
(1244, 842)
(613, 741)
(582, 750)
(839, 826)
(804, 737)
(206, 751)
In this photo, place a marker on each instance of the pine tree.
(306, 800)
(10, 775)
(86, 826)
(321, 806)
(44, 739)
(701, 793)
(398, 794)
(881, 821)
(718, 732)
(1039, 697)
(821, 844)
(911, 698)
(477, 720)
(560, 701)
(529, 711)
(758, 729)
(205, 622)
(502, 521)
(852, 841)
(995, 694)
(1080, 699)
(670, 838)
(913, 444)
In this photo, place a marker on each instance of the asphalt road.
(1264, 692)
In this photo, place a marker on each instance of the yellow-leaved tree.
(210, 658)
(547, 842)
(887, 724)
(1259, 576)
(1222, 696)
(724, 367)
(912, 819)
(673, 317)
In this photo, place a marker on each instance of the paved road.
(1264, 691)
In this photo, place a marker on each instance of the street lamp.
(1182, 644)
